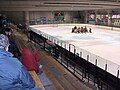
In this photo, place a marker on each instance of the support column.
(96, 20)
(27, 18)
(86, 17)
(109, 18)
(52, 17)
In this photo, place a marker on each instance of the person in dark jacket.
(13, 48)
(13, 75)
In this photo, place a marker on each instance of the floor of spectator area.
(102, 44)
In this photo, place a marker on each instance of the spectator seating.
(36, 79)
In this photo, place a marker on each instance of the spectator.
(52, 46)
(1, 17)
(13, 46)
(30, 59)
(13, 75)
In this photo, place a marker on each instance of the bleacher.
(36, 79)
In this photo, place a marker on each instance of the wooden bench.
(36, 79)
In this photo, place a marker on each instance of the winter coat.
(13, 75)
(29, 61)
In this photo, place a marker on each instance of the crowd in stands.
(6, 28)
(81, 30)
(14, 73)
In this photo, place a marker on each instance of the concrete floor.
(102, 44)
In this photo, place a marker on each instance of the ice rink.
(102, 44)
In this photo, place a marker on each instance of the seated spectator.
(30, 59)
(52, 46)
(13, 75)
(13, 46)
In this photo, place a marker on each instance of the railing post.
(88, 77)
(118, 72)
(44, 43)
(69, 47)
(105, 67)
(117, 86)
(86, 69)
(96, 62)
(95, 72)
(69, 51)
(82, 74)
(80, 54)
(87, 57)
(65, 46)
(74, 58)
(88, 66)
(61, 52)
(101, 85)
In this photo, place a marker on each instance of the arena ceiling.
(58, 5)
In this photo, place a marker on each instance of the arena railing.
(92, 58)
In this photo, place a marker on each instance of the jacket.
(13, 75)
(29, 61)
